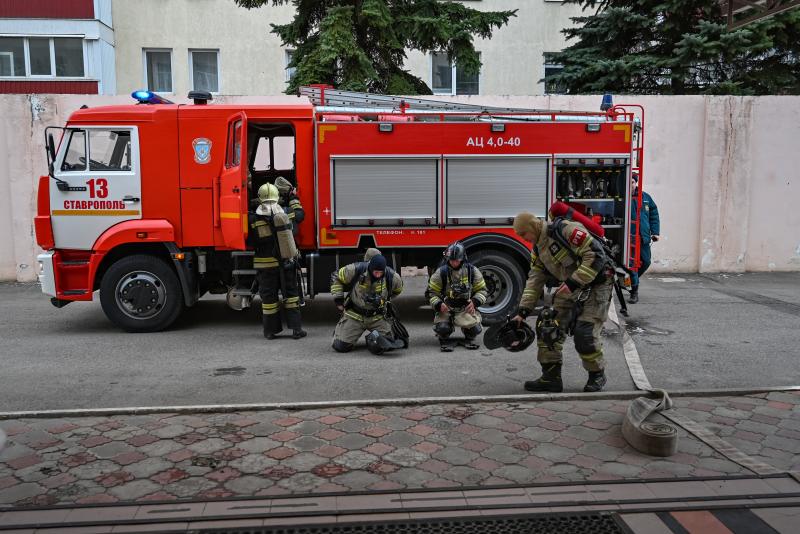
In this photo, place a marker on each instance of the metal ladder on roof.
(336, 99)
(329, 100)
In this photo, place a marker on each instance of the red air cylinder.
(565, 211)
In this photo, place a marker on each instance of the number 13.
(98, 188)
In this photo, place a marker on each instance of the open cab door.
(233, 185)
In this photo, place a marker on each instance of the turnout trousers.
(588, 342)
(269, 283)
(351, 326)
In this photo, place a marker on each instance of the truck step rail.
(241, 292)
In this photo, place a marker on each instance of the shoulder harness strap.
(361, 268)
(554, 233)
(445, 275)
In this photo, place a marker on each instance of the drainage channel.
(565, 507)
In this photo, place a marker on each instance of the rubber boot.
(634, 297)
(446, 344)
(469, 343)
(299, 333)
(549, 382)
(269, 328)
(597, 379)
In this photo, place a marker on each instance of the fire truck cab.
(148, 203)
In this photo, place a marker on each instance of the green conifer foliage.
(361, 45)
(677, 47)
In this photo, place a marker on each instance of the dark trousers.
(646, 257)
(269, 282)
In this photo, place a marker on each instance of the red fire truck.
(148, 203)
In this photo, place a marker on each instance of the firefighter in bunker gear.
(566, 251)
(455, 291)
(275, 261)
(361, 292)
(290, 202)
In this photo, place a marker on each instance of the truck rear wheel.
(141, 293)
(504, 283)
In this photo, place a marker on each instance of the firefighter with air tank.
(362, 292)
(290, 202)
(455, 291)
(565, 250)
(275, 262)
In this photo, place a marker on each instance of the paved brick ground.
(166, 456)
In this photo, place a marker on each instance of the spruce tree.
(361, 45)
(677, 47)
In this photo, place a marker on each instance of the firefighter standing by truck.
(565, 250)
(455, 291)
(362, 292)
(275, 262)
(649, 230)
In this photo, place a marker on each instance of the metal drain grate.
(538, 524)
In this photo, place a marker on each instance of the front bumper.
(47, 276)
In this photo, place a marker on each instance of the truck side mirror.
(51, 154)
(51, 147)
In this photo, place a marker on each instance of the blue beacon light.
(149, 97)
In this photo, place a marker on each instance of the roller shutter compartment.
(384, 191)
(493, 190)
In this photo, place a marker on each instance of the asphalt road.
(692, 331)
(719, 330)
(75, 358)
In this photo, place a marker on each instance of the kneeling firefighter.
(276, 262)
(362, 291)
(455, 291)
(565, 250)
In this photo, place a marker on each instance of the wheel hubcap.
(140, 295)
(498, 288)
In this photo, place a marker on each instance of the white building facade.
(57, 47)
(174, 46)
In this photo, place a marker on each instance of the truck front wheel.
(504, 283)
(141, 293)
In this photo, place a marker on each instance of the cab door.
(98, 184)
(233, 185)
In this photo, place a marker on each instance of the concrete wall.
(252, 60)
(724, 171)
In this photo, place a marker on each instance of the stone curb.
(413, 401)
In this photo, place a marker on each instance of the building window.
(443, 73)
(158, 70)
(40, 57)
(204, 70)
(69, 57)
(290, 71)
(12, 56)
(551, 68)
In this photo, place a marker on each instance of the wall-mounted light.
(498, 127)
(385, 127)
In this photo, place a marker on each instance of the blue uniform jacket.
(649, 224)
